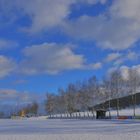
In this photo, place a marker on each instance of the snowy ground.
(42, 129)
(122, 112)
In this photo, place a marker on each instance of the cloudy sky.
(46, 44)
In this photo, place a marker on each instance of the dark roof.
(101, 110)
(124, 102)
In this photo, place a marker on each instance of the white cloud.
(93, 1)
(7, 44)
(112, 30)
(95, 66)
(118, 59)
(117, 29)
(125, 71)
(126, 9)
(132, 55)
(13, 96)
(125, 57)
(116, 34)
(7, 66)
(44, 14)
(8, 92)
(50, 59)
(112, 56)
(19, 81)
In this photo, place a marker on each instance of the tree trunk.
(109, 109)
(79, 115)
(118, 107)
(93, 114)
(134, 106)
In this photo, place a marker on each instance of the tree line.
(28, 110)
(85, 95)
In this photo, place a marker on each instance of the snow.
(123, 112)
(69, 129)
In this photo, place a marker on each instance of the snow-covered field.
(43, 129)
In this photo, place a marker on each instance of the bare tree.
(34, 108)
(116, 86)
(50, 103)
(107, 91)
(133, 84)
(61, 101)
(113, 86)
(71, 98)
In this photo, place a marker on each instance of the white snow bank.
(43, 129)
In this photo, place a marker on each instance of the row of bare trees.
(30, 109)
(117, 86)
(83, 96)
(76, 97)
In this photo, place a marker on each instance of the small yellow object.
(22, 113)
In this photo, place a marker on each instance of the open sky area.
(46, 44)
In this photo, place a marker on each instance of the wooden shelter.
(100, 114)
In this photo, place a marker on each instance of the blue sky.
(46, 44)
